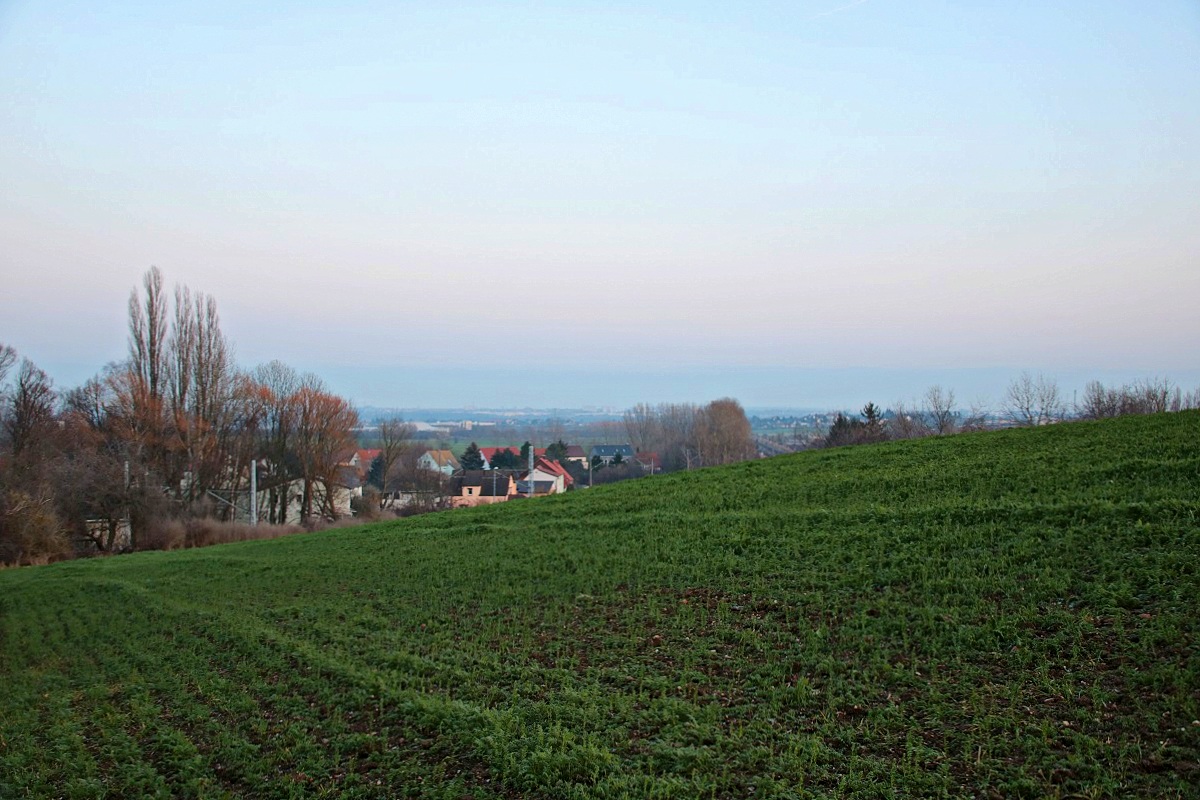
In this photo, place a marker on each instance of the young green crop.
(1002, 614)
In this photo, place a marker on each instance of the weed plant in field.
(1010, 614)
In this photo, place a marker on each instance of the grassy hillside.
(1004, 614)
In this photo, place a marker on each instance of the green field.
(1008, 614)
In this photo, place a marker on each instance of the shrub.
(163, 535)
(30, 530)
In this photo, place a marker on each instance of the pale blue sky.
(632, 190)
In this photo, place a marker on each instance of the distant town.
(179, 446)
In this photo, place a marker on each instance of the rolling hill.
(1007, 614)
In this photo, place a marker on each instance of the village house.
(552, 473)
(337, 497)
(329, 500)
(361, 462)
(442, 461)
(477, 487)
(648, 461)
(607, 453)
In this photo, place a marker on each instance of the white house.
(442, 461)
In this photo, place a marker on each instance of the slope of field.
(1010, 614)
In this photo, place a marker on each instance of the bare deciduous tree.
(939, 410)
(686, 436)
(906, 423)
(8, 357)
(976, 417)
(723, 433)
(148, 342)
(204, 411)
(276, 385)
(30, 527)
(1033, 401)
(642, 427)
(1099, 402)
(396, 439)
(677, 437)
(1184, 401)
(324, 436)
(30, 410)
(1148, 396)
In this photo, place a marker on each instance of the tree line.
(166, 437)
(1028, 401)
(688, 436)
(168, 433)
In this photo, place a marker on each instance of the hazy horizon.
(817, 389)
(809, 203)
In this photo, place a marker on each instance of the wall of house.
(559, 483)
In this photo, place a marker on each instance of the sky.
(815, 202)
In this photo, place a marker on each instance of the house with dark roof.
(477, 487)
(607, 453)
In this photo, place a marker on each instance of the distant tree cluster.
(687, 436)
(847, 430)
(557, 450)
(167, 434)
(509, 459)
(1029, 401)
(937, 413)
(1149, 396)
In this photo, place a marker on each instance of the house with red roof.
(548, 477)
(648, 461)
(360, 461)
(489, 453)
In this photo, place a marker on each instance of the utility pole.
(531, 449)
(254, 492)
(128, 508)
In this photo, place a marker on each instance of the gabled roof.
(575, 451)
(442, 458)
(647, 459)
(553, 468)
(610, 450)
(491, 483)
(365, 457)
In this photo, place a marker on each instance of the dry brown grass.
(176, 534)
